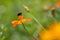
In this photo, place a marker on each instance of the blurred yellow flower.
(52, 33)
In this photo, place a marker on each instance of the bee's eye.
(19, 14)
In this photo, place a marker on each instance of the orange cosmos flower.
(58, 4)
(20, 20)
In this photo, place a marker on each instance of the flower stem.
(25, 28)
(27, 31)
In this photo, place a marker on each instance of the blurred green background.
(40, 18)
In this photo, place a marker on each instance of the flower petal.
(27, 20)
(14, 23)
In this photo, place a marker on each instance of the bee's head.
(19, 14)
